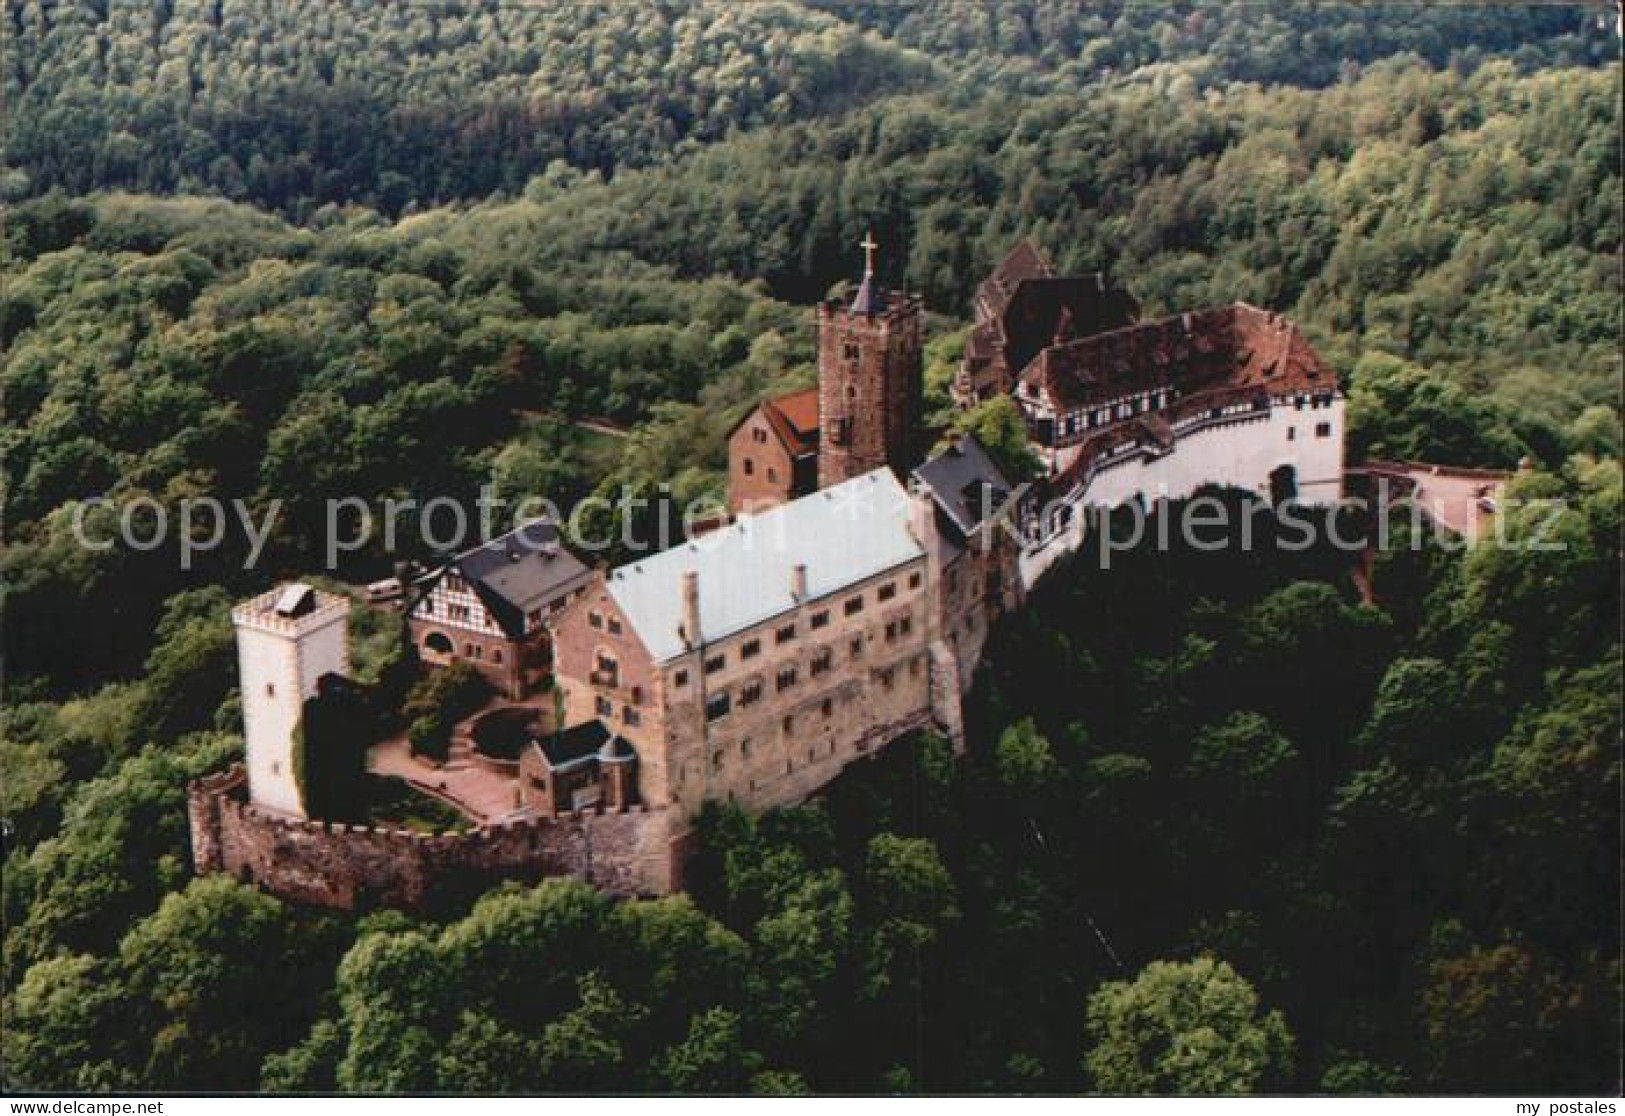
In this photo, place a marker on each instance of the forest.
(406, 249)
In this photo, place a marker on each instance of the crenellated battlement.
(261, 613)
(351, 866)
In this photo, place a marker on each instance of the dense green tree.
(1502, 1019)
(1245, 753)
(193, 665)
(1399, 818)
(1001, 428)
(67, 1027)
(1188, 1028)
(218, 973)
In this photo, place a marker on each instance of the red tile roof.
(795, 418)
(1228, 347)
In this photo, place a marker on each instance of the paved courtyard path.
(484, 795)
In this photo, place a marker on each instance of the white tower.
(286, 640)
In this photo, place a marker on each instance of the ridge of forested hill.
(405, 104)
(1438, 215)
(1395, 825)
(1045, 44)
(1458, 234)
(290, 106)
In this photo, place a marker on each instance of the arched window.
(1283, 484)
(438, 643)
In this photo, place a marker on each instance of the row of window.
(750, 471)
(718, 705)
(441, 644)
(606, 670)
(1078, 421)
(605, 708)
(1322, 430)
(598, 620)
(435, 608)
(787, 727)
(787, 633)
(1257, 407)
(464, 614)
(719, 757)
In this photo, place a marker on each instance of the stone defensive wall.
(1422, 468)
(359, 867)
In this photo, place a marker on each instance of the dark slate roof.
(296, 599)
(1025, 261)
(956, 479)
(571, 746)
(520, 571)
(1055, 309)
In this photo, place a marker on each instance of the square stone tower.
(869, 380)
(287, 640)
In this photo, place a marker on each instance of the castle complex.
(846, 603)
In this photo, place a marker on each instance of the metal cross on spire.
(868, 245)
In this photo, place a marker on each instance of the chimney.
(691, 608)
(922, 517)
(798, 581)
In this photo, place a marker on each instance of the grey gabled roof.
(843, 535)
(520, 571)
(965, 483)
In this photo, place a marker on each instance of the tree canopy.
(1226, 821)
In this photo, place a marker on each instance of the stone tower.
(869, 380)
(287, 640)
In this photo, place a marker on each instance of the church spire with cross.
(869, 378)
(870, 299)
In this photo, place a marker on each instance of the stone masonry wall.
(360, 867)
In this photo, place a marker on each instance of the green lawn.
(395, 804)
